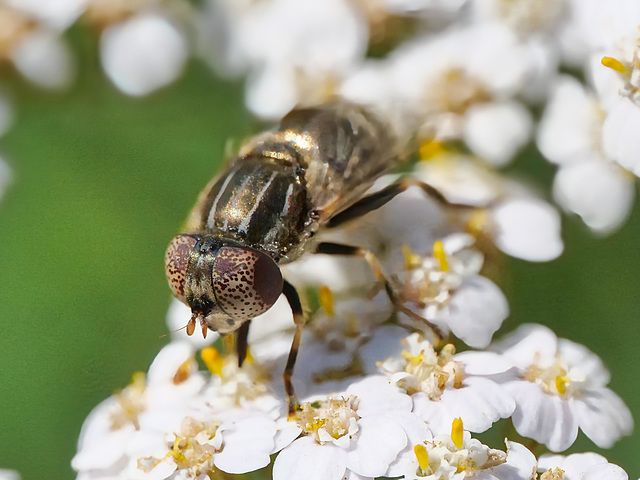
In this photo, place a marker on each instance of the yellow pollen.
(430, 149)
(456, 432)
(438, 253)
(561, 384)
(422, 456)
(213, 360)
(413, 360)
(613, 64)
(326, 300)
(316, 424)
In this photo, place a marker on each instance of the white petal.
(608, 471)
(247, 445)
(271, 92)
(528, 344)
(521, 464)
(574, 465)
(480, 403)
(601, 193)
(385, 343)
(44, 59)
(588, 363)
(143, 54)
(571, 123)
(377, 396)
(545, 418)
(476, 311)
(620, 138)
(603, 416)
(528, 229)
(380, 439)
(496, 131)
(305, 459)
(483, 363)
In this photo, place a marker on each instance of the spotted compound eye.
(175, 263)
(246, 282)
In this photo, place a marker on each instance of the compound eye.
(175, 263)
(246, 282)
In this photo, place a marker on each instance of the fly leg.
(241, 342)
(378, 199)
(298, 317)
(349, 250)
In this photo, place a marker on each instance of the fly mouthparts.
(191, 326)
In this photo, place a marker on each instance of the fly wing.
(344, 149)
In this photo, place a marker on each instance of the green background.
(102, 182)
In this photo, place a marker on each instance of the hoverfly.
(265, 210)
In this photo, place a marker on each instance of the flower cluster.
(391, 380)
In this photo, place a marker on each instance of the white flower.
(135, 419)
(143, 53)
(579, 466)
(560, 387)
(446, 290)
(445, 386)
(520, 224)
(452, 456)
(587, 182)
(360, 431)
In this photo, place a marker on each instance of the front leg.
(298, 317)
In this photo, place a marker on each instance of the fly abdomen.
(260, 202)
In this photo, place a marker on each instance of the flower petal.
(305, 459)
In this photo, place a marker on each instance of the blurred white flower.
(9, 475)
(444, 386)
(579, 466)
(57, 14)
(143, 53)
(587, 182)
(560, 387)
(293, 51)
(36, 49)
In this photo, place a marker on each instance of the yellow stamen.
(182, 374)
(440, 255)
(613, 64)
(431, 149)
(456, 432)
(175, 450)
(422, 456)
(326, 300)
(316, 424)
(413, 360)
(411, 260)
(213, 360)
(561, 384)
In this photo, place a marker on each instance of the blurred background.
(100, 184)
